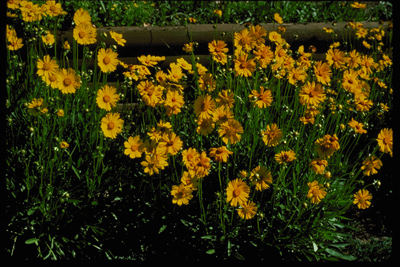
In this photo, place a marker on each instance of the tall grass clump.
(261, 154)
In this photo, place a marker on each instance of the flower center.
(236, 192)
(106, 60)
(386, 140)
(106, 98)
(82, 34)
(67, 81)
(46, 66)
(111, 125)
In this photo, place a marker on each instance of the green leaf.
(207, 237)
(162, 228)
(337, 254)
(210, 251)
(315, 247)
(31, 241)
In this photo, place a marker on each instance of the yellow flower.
(327, 30)
(182, 194)
(358, 5)
(311, 94)
(205, 126)
(48, 39)
(225, 98)
(362, 199)
(296, 74)
(385, 141)
(322, 72)
(188, 48)
(189, 180)
(84, 33)
(170, 143)
(370, 164)
(222, 114)
(60, 113)
(263, 55)
(107, 60)
(133, 147)
(175, 73)
(37, 107)
(275, 37)
(248, 210)
(64, 144)
(54, 9)
(220, 154)
(80, 16)
(149, 60)
(318, 165)
(335, 58)
(230, 131)
(68, 81)
(278, 18)
(261, 178)
(272, 135)
(111, 125)
(243, 40)
(218, 12)
(14, 43)
(153, 163)
(357, 126)
(118, 38)
(285, 156)
(316, 192)
(190, 157)
(107, 97)
(204, 106)
(261, 99)
(327, 145)
(46, 67)
(173, 102)
(258, 33)
(203, 165)
(244, 67)
(237, 192)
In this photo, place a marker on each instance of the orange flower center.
(106, 60)
(46, 66)
(106, 98)
(111, 125)
(170, 143)
(386, 140)
(67, 81)
(236, 192)
(82, 34)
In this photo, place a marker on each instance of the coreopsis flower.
(318, 165)
(13, 4)
(357, 126)
(204, 106)
(296, 74)
(248, 210)
(184, 64)
(244, 67)
(84, 33)
(327, 145)
(190, 157)
(316, 192)
(261, 99)
(175, 73)
(335, 58)
(192, 20)
(68, 81)
(261, 178)
(30, 12)
(353, 59)
(107, 97)
(220, 154)
(107, 60)
(230, 131)
(173, 102)
(216, 47)
(202, 166)
(284, 157)
(54, 9)
(350, 81)
(225, 98)
(118, 37)
(46, 67)
(14, 43)
(181, 194)
(368, 64)
(81, 15)
(263, 55)
(218, 12)
(64, 145)
(205, 126)
(111, 125)
(60, 113)
(258, 34)
(312, 94)
(237, 192)
(243, 40)
(362, 199)
(322, 72)
(207, 82)
(188, 48)
(385, 141)
(362, 102)
(328, 30)
(170, 143)
(155, 162)
(358, 5)
(149, 60)
(272, 135)
(133, 147)
(278, 18)
(275, 37)
(48, 39)
(221, 115)
(149, 146)
(309, 115)
(190, 180)
(370, 165)
(37, 107)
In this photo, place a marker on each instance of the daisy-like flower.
(220, 154)
(46, 67)
(218, 12)
(81, 15)
(37, 107)
(170, 143)
(328, 30)
(358, 5)
(107, 97)
(48, 39)
(362, 199)
(353, 59)
(230, 131)
(275, 37)
(207, 82)
(370, 165)
(357, 126)
(350, 80)
(60, 113)
(272, 135)
(322, 72)
(111, 125)
(327, 145)
(54, 9)
(205, 126)
(263, 55)
(118, 37)
(261, 99)
(222, 114)
(155, 162)
(188, 48)
(244, 67)
(84, 33)
(67, 81)
(14, 43)
(217, 47)
(190, 157)
(243, 40)
(237, 192)
(261, 178)
(335, 58)
(203, 165)
(248, 210)
(385, 141)
(13, 4)
(311, 94)
(181, 194)
(362, 102)
(316, 192)
(173, 102)
(318, 165)
(149, 60)
(278, 18)
(258, 33)
(296, 74)
(204, 106)
(284, 157)
(225, 98)
(190, 180)
(107, 60)
(133, 147)
(64, 145)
